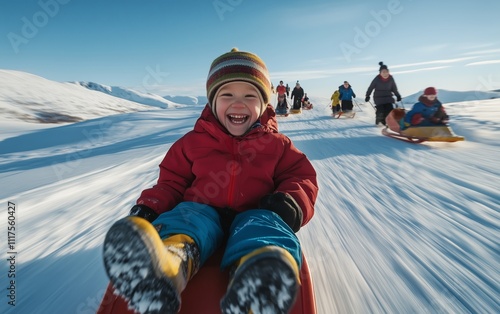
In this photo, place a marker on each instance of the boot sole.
(132, 263)
(266, 285)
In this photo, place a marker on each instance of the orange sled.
(424, 134)
(417, 134)
(205, 290)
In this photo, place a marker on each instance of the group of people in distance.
(428, 111)
(298, 97)
(342, 98)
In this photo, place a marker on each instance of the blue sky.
(166, 46)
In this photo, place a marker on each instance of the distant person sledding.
(282, 106)
(335, 104)
(426, 121)
(346, 95)
(306, 103)
(281, 89)
(296, 97)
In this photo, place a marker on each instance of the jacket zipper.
(232, 176)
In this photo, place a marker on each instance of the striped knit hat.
(238, 66)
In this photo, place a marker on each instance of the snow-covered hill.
(27, 97)
(399, 228)
(448, 96)
(188, 100)
(132, 95)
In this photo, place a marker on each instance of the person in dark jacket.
(233, 182)
(346, 95)
(385, 87)
(297, 95)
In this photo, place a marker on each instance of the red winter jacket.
(210, 166)
(281, 89)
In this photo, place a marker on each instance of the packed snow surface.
(398, 228)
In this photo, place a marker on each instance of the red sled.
(205, 290)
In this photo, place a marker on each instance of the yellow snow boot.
(150, 273)
(264, 281)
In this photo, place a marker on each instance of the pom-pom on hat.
(238, 66)
(430, 91)
(382, 66)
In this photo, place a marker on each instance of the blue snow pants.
(250, 230)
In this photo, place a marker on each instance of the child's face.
(431, 97)
(384, 73)
(238, 106)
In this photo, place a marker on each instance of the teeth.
(237, 118)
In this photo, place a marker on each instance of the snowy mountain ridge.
(131, 95)
(448, 96)
(30, 98)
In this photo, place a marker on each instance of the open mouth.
(237, 118)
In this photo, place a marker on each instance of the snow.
(132, 95)
(399, 228)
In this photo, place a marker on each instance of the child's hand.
(417, 119)
(285, 206)
(144, 212)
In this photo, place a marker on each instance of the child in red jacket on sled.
(233, 181)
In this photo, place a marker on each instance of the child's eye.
(226, 95)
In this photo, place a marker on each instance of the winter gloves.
(144, 212)
(285, 206)
(367, 98)
(417, 119)
(281, 203)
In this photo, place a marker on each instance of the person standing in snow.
(281, 89)
(346, 94)
(335, 101)
(297, 95)
(232, 181)
(385, 87)
(428, 111)
(306, 104)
